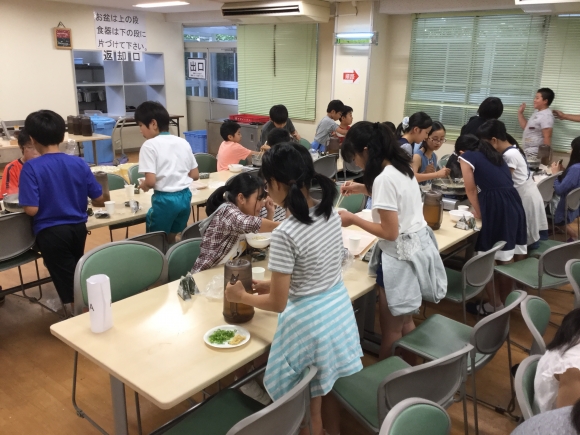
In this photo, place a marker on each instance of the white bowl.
(341, 209)
(457, 214)
(259, 240)
(235, 167)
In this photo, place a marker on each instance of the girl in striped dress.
(316, 325)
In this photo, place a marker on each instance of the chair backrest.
(131, 267)
(116, 182)
(489, 334)
(304, 143)
(326, 165)
(191, 232)
(181, 257)
(479, 270)
(134, 174)
(16, 236)
(553, 261)
(573, 274)
(573, 199)
(546, 188)
(206, 162)
(316, 193)
(353, 203)
(536, 313)
(524, 385)
(284, 416)
(156, 238)
(418, 417)
(450, 372)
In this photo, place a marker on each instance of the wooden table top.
(77, 138)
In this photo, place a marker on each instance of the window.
(457, 62)
(210, 34)
(195, 87)
(277, 65)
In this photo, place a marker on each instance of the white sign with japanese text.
(196, 68)
(120, 34)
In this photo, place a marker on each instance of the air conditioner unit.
(310, 11)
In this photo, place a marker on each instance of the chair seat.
(360, 390)
(544, 246)
(526, 272)
(218, 415)
(20, 260)
(455, 286)
(136, 221)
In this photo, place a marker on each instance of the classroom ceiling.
(193, 6)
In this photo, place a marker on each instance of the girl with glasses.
(425, 159)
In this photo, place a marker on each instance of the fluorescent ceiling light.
(160, 4)
(569, 15)
(355, 35)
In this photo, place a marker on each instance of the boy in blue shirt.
(53, 190)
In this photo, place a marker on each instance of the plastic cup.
(129, 191)
(110, 207)
(258, 273)
(1, 205)
(353, 243)
(463, 207)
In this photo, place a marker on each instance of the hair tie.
(405, 122)
(376, 125)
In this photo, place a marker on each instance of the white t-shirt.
(533, 136)
(395, 191)
(170, 158)
(516, 161)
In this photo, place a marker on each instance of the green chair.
(573, 274)
(524, 381)
(206, 162)
(181, 257)
(230, 412)
(536, 313)
(117, 260)
(304, 143)
(439, 336)
(544, 246)
(116, 182)
(134, 174)
(418, 417)
(191, 232)
(471, 281)
(572, 204)
(548, 271)
(157, 239)
(372, 393)
(353, 203)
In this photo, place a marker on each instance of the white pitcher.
(99, 294)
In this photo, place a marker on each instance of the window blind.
(277, 65)
(561, 74)
(457, 62)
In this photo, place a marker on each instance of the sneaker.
(482, 309)
(253, 390)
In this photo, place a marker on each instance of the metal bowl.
(256, 161)
(448, 188)
(11, 203)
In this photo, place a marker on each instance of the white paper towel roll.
(99, 294)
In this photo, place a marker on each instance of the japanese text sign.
(196, 68)
(120, 34)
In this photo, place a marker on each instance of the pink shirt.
(231, 153)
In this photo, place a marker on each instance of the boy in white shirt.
(538, 129)
(169, 167)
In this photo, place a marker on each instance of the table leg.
(95, 152)
(119, 406)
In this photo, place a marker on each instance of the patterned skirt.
(318, 330)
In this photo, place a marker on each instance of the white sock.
(490, 308)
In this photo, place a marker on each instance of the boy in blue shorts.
(169, 167)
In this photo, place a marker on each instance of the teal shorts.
(169, 211)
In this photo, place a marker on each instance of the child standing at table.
(413, 130)
(328, 126)
(169, 167)
(538, 129)
(12, 170)
(425, 159)
(316, 325)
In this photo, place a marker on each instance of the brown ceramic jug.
(433, 209)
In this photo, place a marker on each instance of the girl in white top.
(557, 381)
(406, 259)
(494, 132)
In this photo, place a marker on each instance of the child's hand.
(265, 147)
(429, 169)
(443, 173)
(558, 114)
(296, 136)
(557, 167)
(261, 287)
(346, 217)
(350, 188)
(522, 108)
(235, 293)
(143, 186)
(270, 208)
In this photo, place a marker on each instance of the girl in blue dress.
(564, 184)
(425, 159)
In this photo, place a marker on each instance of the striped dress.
(318, 325)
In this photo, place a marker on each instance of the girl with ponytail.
(413, 130)
(406, 259)
(233, 211)
(316, 325)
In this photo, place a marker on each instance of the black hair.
(437, 126)
(466, 142)
(381, 145)
(336, 105)
(568, 334)
(291, 164)
(45, 127)
(390, 126)
(278, 135)
(547, 94)
(574, 157)
(418, 119)
(496, 128)
(152, 110)
(279, 114)
(244, 183)
(575, 416)
(490, 108)
(23, 138)
(345, 111)
(229, 128)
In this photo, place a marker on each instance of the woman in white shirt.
(557, 381)
(406, 259)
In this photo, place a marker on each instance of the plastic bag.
(215, 288)
(71, 148)
(347, 260)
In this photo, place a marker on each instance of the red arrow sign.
(350, 76)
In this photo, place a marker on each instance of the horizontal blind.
(562, 75)
(277, 65)
(457, 62)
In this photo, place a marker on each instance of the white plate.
(239, 329)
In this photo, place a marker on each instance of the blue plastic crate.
(197, 140)
(101, 125)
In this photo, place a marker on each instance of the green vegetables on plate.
(221, 336)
